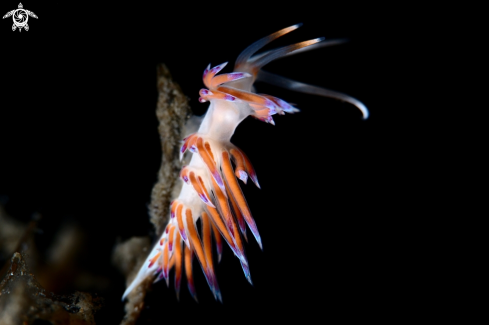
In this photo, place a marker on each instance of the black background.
(79, 141)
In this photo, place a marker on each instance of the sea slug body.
(210, 190)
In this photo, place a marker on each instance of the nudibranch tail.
(210, 191)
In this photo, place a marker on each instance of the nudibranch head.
(210, 190)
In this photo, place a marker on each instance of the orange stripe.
(242, 58)
(220, 225)
(173, 209)
(172, 262)
(188, 270)
(195, 184)
(170, 238)
(219, 95)
(199, 188)
(208, 77)
(237, 211)
(202, 185)
(262, 113)
(280, 52)
(211, 73)
(220, 79)
(239, 242)
(181, 228)
(165, 265)
(227, 77)
(209, 150)
(238, 195)
(153, 260)
(195, 241)
(208, 160)
(206, 234)
(184, 174)
(192, 141)
(186, 143)
(249, 167)
(248, 97)
(233, 184)
(283, 32)
(238, 160)
(223, 204)
(218, 239)
(178, 263)
(188, 263)
(231, 225)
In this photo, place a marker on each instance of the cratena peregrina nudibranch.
(210, 189)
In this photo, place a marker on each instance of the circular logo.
(20, 17)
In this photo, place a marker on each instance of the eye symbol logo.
(20, 17)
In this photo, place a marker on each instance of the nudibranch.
(210, 190)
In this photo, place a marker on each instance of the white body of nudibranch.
(210, 190)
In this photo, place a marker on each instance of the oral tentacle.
(250, 50)
(275, 54)
(282, 104)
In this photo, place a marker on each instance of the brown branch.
(172, 111)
